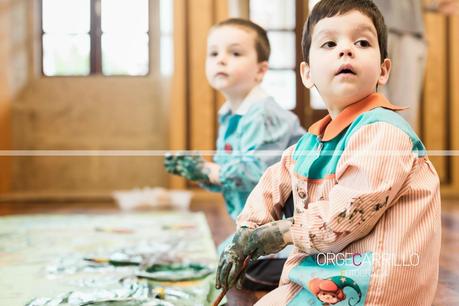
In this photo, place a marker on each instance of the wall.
(89, 113)
(14, 61)
(440, 105)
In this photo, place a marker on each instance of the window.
(84, 37)
(283, 20)
(279, 20)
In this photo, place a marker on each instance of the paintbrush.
(225, 290)
(116, 263)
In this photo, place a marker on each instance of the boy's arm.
(264, 205)
(267, 199)
(376, 163)
(262, 140)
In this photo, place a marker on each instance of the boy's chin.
(352, 92)
(217, 86)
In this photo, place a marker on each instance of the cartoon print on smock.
(336, 281)
(331, 290)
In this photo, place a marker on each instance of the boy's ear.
(305, 72)
(385, 72)
(262, 69)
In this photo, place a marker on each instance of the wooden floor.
(221, 226)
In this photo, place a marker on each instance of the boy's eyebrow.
(360, 28)
(325, 32)
(366, 28)
(235, 45)
(231, 45)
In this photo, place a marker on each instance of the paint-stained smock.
(367, 211)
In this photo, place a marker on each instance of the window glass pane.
(316, 100)
(167, 54)
(281, 84)
(274, 14)
(66, 16)
(125, 54)
(66, 54)
(166, 16)
(282, 50)
(124, 16)
(166, 24)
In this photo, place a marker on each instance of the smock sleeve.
(267, 199)
(263, 136)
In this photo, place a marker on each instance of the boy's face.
(344, 60)
(231, 65)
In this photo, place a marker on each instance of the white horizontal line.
(162, 153)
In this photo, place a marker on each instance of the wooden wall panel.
(434, 115)
(6, 94)
(221, 13)
(221, 10)
(202, 106)
(452, 189)
(5, 144)
(178, 106)
(454, 94)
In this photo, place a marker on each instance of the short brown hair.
(330, 8)
(262, 46)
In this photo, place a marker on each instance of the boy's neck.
(334, 108)
(334, 112)
(235, 99)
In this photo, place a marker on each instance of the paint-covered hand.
(232, 259)
(170, 163)
(269, 238)
(189, 166)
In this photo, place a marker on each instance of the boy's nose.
(346, 52)
(221, 60)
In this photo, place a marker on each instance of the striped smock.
(367, 211)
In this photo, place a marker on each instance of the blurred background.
(94, 92)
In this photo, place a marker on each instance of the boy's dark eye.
(236, 54)
(213, 54)
(363, 43)
(329, 44)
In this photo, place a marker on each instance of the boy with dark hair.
(367, 201)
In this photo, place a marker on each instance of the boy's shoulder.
(386, 116)
(376, 115)
(268, 108)
(383, 115)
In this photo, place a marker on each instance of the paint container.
(153, 198)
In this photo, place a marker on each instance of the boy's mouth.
(221, 75)
(346, 69)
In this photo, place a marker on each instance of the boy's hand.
(170, 163)
(231, 261)
(269, 238)
(188, 166)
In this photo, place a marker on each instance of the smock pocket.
(332, 279)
